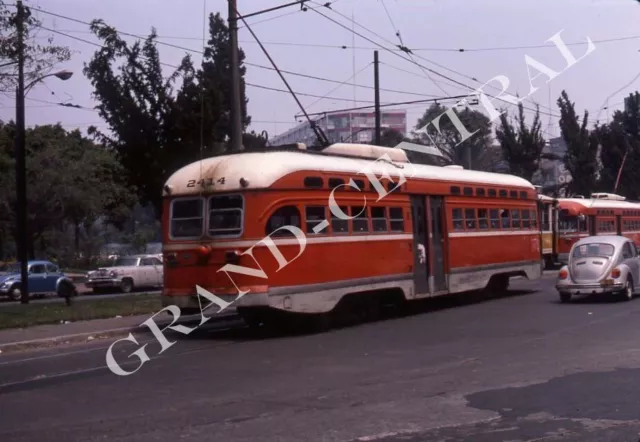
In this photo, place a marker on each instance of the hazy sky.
(311, 45)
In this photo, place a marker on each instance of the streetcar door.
(592, 225)
(420, 264)
(437, 243)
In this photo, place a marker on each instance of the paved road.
(522, 368)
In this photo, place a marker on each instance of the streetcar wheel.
(319, 323)
(498, 285)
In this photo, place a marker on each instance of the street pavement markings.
(35, 381)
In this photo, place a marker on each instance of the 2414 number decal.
(205, 183)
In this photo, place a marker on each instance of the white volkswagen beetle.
(600, 265)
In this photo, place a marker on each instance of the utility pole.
(22, 242)
(236, 108)
(376, 80)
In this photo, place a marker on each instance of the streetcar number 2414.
(205, 182)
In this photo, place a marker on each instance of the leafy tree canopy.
(472, 151)
(40, 56)
(581, 159)
(157, 123)
(521, 146)
(69, 180)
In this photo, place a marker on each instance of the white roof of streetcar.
(602, 203)
(260, 170)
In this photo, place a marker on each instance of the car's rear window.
(595, 249)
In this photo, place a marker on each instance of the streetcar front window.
(571, 223)
(226, 215)
(187, 218)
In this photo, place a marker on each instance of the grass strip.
(20, 315)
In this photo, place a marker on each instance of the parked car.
(45, 278)
(600, 265)
(127, 273)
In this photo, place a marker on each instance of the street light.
(63, 75)
(22, 240)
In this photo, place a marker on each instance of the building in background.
(347, 127)
(552, 173)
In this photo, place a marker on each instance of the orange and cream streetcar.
(413, 231)
(602, 214)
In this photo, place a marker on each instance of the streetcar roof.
(597, 203)
(262, 169)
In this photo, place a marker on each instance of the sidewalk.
(84, 331)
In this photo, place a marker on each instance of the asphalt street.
(517, 368)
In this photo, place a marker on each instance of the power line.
(268, 87)
(404, 48)
(371, 48)
(464, 86)
(195, 51)
(258, 86)
(340, 85)
(455, 97)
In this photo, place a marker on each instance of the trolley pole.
(236, 108)
(376, 80)
(21, 179)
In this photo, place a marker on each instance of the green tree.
(620, 148)
(252, 140)
(521, 146)
(139, 106)
(158, 124)
(581, 159)
(470, 153)
(40, 56)
(391, 137)
(7, 190)
(70, 180)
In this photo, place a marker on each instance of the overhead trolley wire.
(463, 85)
(139, 37)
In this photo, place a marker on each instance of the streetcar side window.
(458, 219)
(483, 221)
(340, 226)
(515, 219)
(226, 215)
(546, 225)
(504, 215)
(316, 216)
(396, 219)
(534, 219)
(470, 218)
(361, 219)
(187, 218)
(284, 216)
(495, 219)
(526, 220)
(379, 219)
